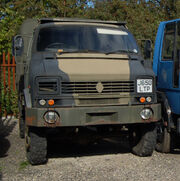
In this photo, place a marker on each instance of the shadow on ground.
(6, 127)
(0, 175)
(175, 139)
(72, 149)
(176, 149)
(115, 145)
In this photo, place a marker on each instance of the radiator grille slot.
(91, 87)
(47, 86)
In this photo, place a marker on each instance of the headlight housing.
(144, 85)
(47, 85)
(146, 113)
(51, 117)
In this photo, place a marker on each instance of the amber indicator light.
(51, 102)
(60, 50)
(142, 99)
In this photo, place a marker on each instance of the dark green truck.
(79, 74)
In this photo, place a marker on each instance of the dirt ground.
(108, 160)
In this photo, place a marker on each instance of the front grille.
(46, 86)
(92, 87)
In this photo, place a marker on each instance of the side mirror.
(147, 49)
(17, 45)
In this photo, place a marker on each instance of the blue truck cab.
(166, 66)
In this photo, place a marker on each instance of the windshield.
(85, 37)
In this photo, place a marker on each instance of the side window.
(178, 36)
(176, 57)
(168, 42)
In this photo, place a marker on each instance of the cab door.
(168, 73)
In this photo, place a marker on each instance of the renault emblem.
(99, 87)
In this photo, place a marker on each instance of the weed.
(23, 165)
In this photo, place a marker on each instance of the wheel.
(143, 139)
(21, 128)
(21, 121)
(36, 147)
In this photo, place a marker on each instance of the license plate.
(144, 85)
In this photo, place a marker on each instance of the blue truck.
(166, 66)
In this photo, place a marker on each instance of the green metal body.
(84, 116)
(97, 69)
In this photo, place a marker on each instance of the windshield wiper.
(82, 51)
(120, 51)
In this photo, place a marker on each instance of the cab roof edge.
(53, 20)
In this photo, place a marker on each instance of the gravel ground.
(109, 160)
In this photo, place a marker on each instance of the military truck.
(80, 76)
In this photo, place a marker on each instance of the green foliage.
(9, 24)
(9, 101)
(142, 17)
(23, 165)
(13, 12)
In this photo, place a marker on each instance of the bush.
(8, 101)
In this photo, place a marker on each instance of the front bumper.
(82, 116)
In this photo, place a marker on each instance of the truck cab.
(166, 65)
(83, 76)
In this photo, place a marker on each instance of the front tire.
(21, 128)
(21, 120)
(36, 147)
(143, 139)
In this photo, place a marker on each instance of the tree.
(142, 16)
(13, 12)
(9, 24)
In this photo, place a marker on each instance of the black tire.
(21, 120)
(21, 128)
(143, 139)
(164, 142)
(36, 150)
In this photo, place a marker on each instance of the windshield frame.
(51, 25)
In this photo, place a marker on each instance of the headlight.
(146, 113)
(51, 117)
(144, 85)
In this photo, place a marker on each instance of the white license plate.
(144, 85)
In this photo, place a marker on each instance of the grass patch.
(23, 165)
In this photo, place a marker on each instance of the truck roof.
(29, 25)
(169, 21)
(52, 20)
